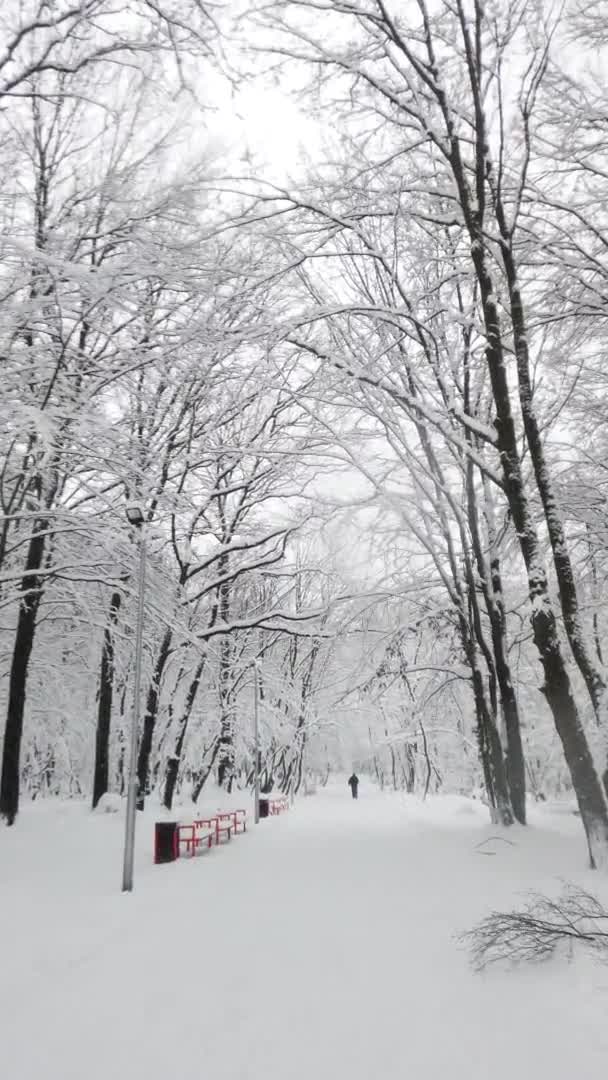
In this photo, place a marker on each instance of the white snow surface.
(321, 944)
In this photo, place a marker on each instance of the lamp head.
(135, 514)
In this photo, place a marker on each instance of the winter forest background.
(358, 388)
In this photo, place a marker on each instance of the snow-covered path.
(319, 945)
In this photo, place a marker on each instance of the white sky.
(262, 126)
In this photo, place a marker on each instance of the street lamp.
(256, 740)
(136, 518)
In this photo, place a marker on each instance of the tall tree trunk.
(393, 762)
(104, 710)
(173, 764)
(293, 779)
(596, 593)
(559, 546)
(205, 771)
(31, 593)
(225, 769)
(491, 584)
(490, 578)
(409, 768)
(471, 631)
(514, 758)
(297, 784)
(292, 775)
(490, 746)
(151, 714)
(557, 687)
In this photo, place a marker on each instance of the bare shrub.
(539, 929)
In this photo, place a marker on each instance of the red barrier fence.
(171, 838)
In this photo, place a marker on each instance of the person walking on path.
(353, 783)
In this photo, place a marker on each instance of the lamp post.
(135, 517)
(256, 740)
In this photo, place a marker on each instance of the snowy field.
(320, 944)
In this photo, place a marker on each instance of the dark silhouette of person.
(353, 784)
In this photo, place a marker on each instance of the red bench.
(277, 806)
(191, 837)
(238, 818)
(221, 829)
(204, 832)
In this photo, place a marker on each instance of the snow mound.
(109, 804)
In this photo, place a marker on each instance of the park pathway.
(320, 945)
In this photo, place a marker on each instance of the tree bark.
(561, 557)
(491, 584)
(225, 769)
(173, 764)
(471, 631)
(490, 746)
(151, 714)
(104, 711)
(205, 771)
(409, 768)
(595, 599)
(31, 593)
(557, 688)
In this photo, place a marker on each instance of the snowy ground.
(319, 945)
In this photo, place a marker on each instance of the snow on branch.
(283, 621)
(483, 431)
(414, 406)
(65, 38)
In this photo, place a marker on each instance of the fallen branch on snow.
(491, 840)
(535, 932)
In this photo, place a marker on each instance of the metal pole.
(129, 853)
(256, 740)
